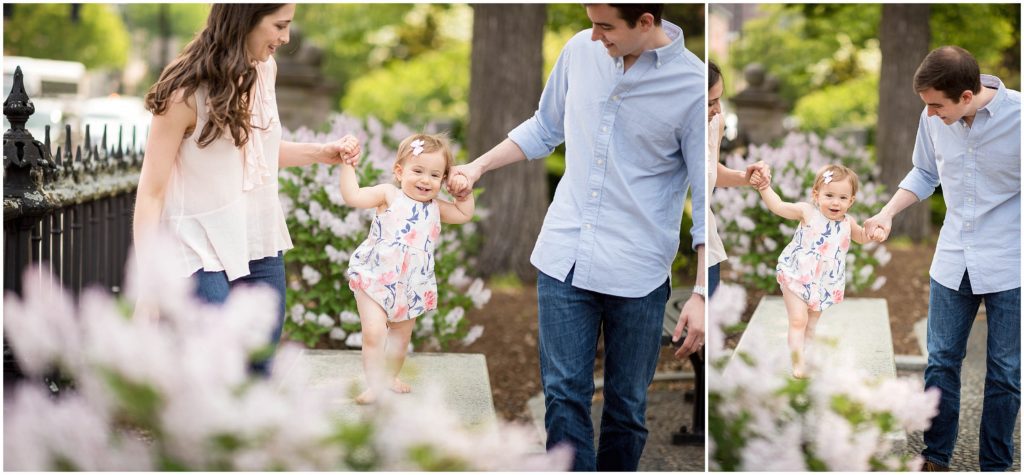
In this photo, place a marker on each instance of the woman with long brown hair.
(209, 176)
(720, 176)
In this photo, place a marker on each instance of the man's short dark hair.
(631, 12)
(950, 69)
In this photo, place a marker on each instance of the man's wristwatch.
(701, 290)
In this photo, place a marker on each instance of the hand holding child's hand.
(759, 181)
(878, 235)
(344, 150)
(759, 175)
(458, 186)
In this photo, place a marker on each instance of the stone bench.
(857, 325)
(463, 378)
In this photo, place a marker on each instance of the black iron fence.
(70, 212)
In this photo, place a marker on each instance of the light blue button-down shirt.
(979, 170)
(632, 142)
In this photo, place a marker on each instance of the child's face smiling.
(835, 198)
(420, 176)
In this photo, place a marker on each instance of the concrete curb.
(911, 363)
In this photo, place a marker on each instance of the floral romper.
(395, 264)
(813, 265)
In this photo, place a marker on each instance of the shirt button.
(593, 194)
(659, 64)
(615, 98)
(968, 248)
(604, 129)
(968, 175)
(970, 149)
(588, 228)
(600, 162)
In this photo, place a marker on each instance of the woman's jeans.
(214, 287)
(950, 316)
(714, 276)
(571, 320)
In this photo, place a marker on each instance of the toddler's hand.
(344, 150)
(759, 181)
(878, 235)
(457, 185)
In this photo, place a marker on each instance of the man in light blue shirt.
(968, 140)
(628, 101)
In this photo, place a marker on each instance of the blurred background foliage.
(827, 58)
(93, 34)
(398, 62)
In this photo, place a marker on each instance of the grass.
(507, 282)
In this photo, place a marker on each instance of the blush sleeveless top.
(222, 201)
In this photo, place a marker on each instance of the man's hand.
(458, 184)
(878, 226)
(461, 180)
(692, 318)
(344, 150)
(878, 235)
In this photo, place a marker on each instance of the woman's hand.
(759, 175)
(344, 150)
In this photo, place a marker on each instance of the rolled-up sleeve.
(924, 177)
(539, 135)
(692, 144)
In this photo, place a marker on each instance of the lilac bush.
(841, 419)
(175, 394)
(754, 236)
(325, 231)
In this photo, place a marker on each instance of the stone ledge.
(857, 325)
(463, 378)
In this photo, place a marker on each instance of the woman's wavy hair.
(216, 58)
(714, 74)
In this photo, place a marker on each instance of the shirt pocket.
(998, 172)
(649, 141)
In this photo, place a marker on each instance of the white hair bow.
(417, 147)
(828, 177)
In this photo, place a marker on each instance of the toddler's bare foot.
(367, 397)
(799, 373)
(400, 387)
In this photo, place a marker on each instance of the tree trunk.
(505, 86)
(904, 35)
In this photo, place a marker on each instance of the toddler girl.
(392, 272)
(812, 268)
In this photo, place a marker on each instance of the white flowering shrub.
(325, 231)
(754, 236)
(175, 394)
(761, 419)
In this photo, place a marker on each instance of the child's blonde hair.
(431, 143)
(839, 173)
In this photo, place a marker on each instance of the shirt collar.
(670, 51)
(999, 99)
